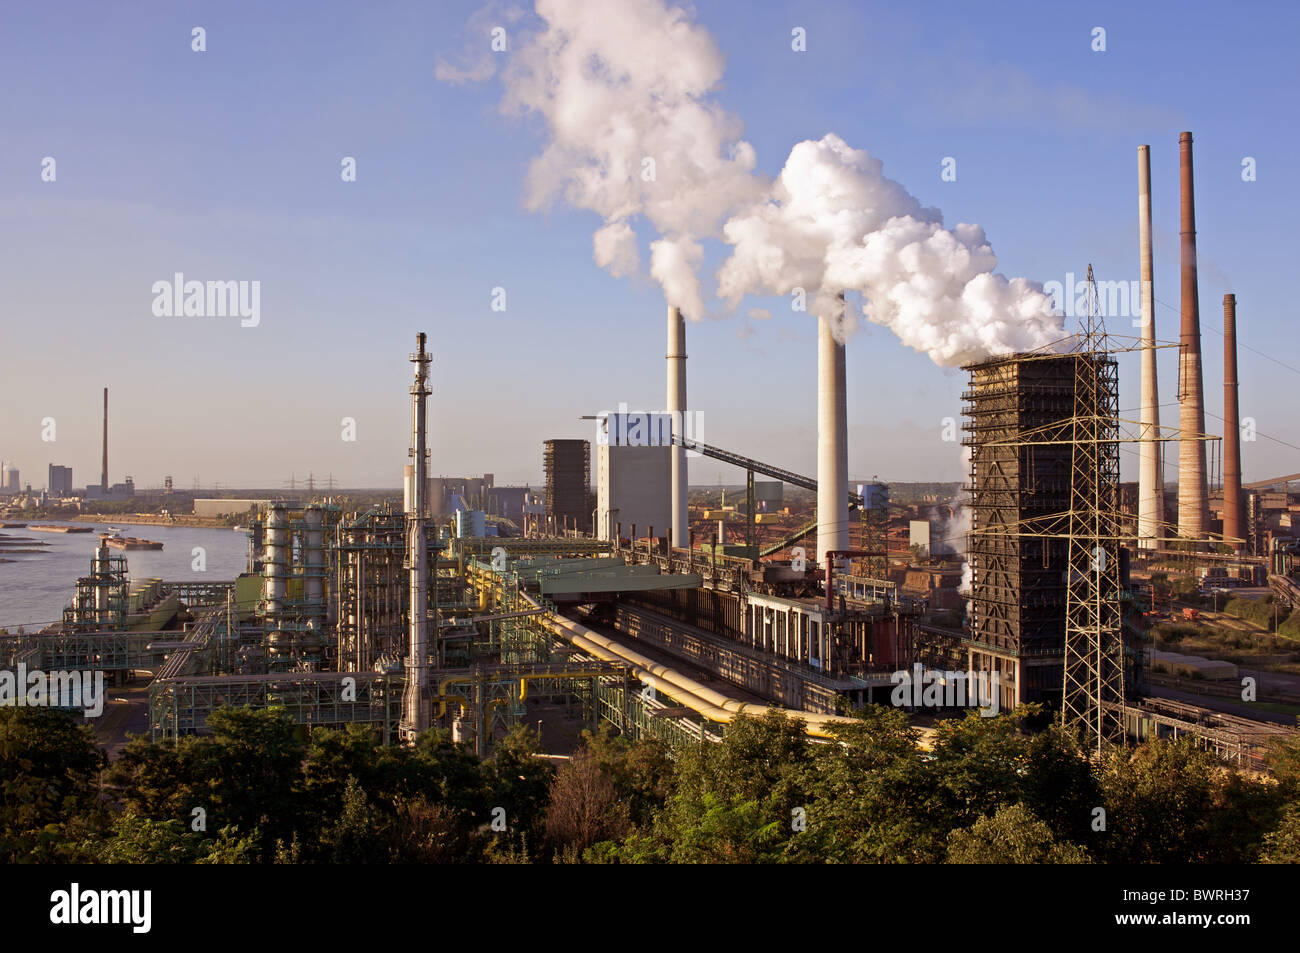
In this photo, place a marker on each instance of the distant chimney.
(103, 482)
(1232, 511)
(1193, 491)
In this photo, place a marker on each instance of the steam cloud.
(622, 89)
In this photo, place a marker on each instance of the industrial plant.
(644, 604)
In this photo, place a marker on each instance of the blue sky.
(225, 165)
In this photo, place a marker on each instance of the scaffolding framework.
(1094, 646)
(1054, 443)
(1019, 594)
(567, 466)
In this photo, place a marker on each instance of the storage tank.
(471, 523)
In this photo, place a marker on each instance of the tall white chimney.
(681, 528)
(1151, 475)
(832, 440)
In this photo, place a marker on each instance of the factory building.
(634, 475)
(118, 491)
(60, 481)
(218, 508)
(444, 491)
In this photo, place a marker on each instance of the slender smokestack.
(677, 408)
(832, 440)
(1151, 474)
(1232, 511)
(416, 703)
(1193, 491)
(103, 474)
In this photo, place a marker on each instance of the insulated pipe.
(701, 699)
(1232, 512)
(677, 412)
(832, 440)
(713, 705)
(1193, 492)
(1151, 478)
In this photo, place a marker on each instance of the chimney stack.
(1193, 490)
(681, 518)
(832, 439)
(1151, 474)
(103, 481)
(1232, 510)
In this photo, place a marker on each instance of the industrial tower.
(416, 704)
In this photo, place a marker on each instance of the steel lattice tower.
(1093, 693)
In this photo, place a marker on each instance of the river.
(35, 587)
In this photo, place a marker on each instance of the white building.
(633, 475)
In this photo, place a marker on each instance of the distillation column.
(416, 706)
(275, 566)
(314, 563)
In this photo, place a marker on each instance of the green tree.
(1172, 802)
(737, 799)
(519, 784)
(142, 840)
(49, 772)
(1014, 835)
(642, 770)
(1282, 844)
(876, 800)
(358, 837)
(584, 806)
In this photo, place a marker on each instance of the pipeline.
(705, 701)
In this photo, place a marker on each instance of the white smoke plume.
(623, 91)
(833, 222)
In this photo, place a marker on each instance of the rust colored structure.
(1232, 510)
(1193, 488)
